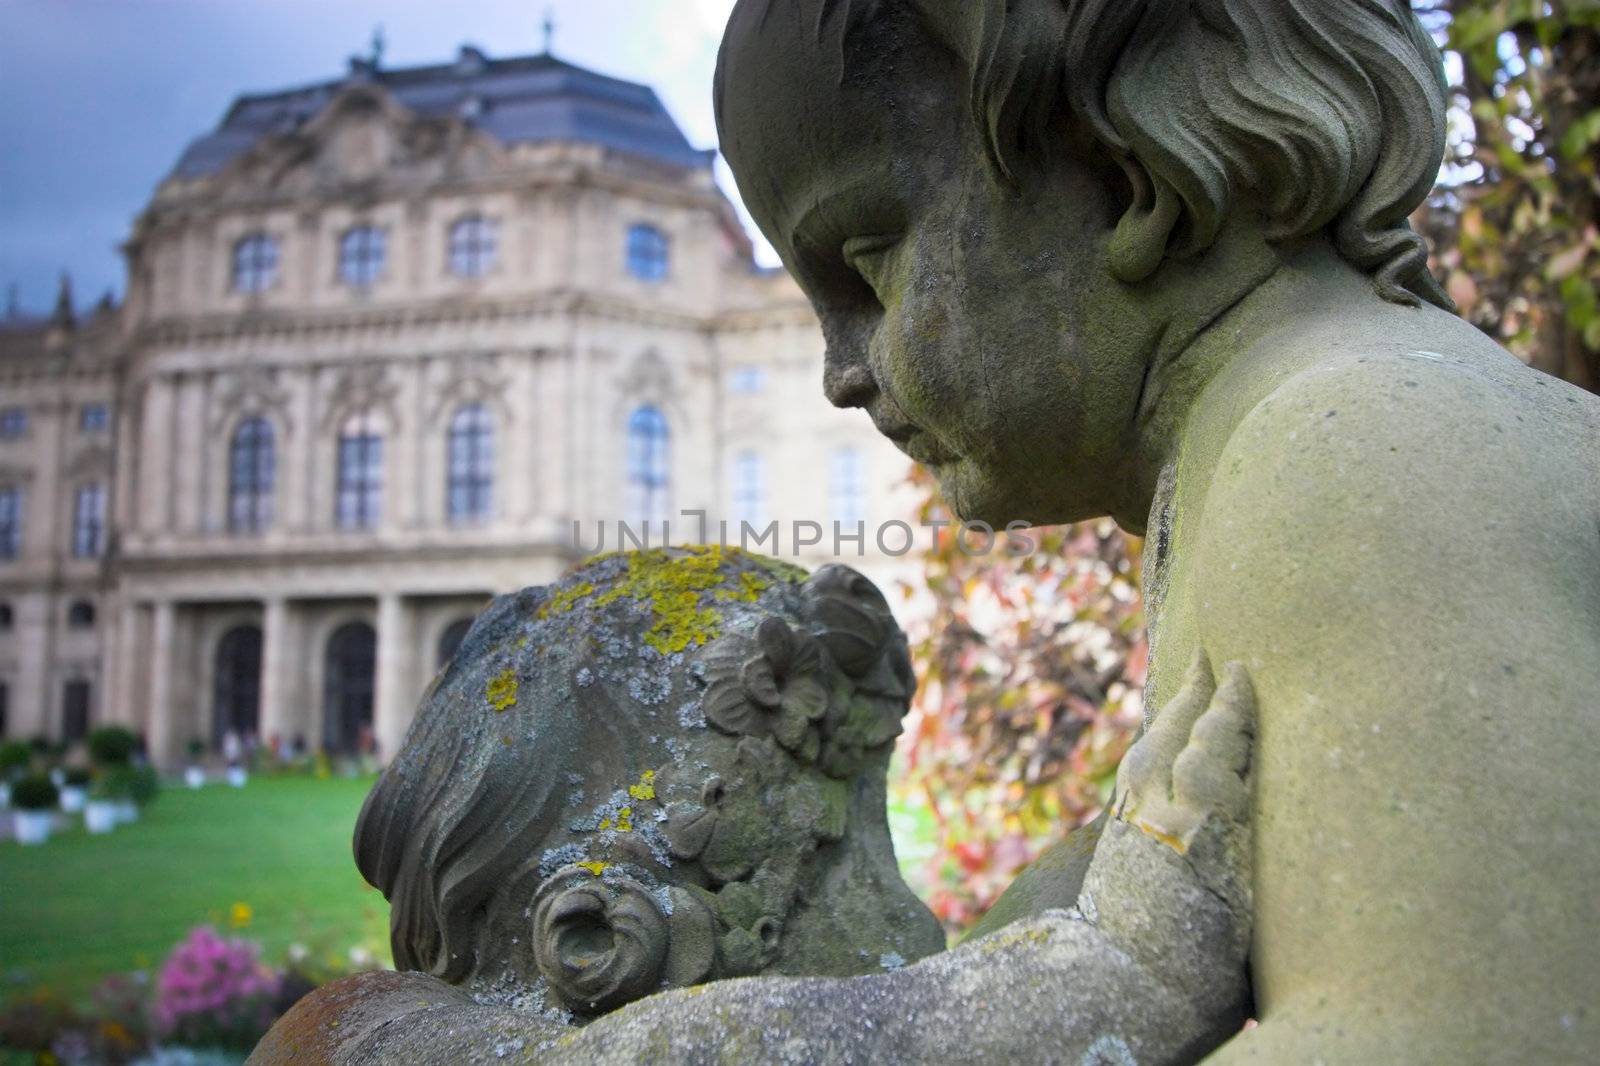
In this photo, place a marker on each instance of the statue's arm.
(1150, 967)
(400, 1018)
(1050, 882)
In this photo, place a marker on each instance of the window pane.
(250, 476)
(88, 521)
(10, 522)
(749, 489)
(470, 464)
(647, 253)
(649, 457)
(472, 247)
(360, 475)
(847, 490)
(361, 254)
(255, 263)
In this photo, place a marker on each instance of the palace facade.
(386, 340)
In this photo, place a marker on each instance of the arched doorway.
(237, 706)
(352, 659)
(451, 639)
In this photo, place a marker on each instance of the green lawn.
(82, 906)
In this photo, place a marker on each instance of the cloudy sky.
(99, 97)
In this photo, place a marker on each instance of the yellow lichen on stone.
(502, 691)
(646, 788)
(681, 587)
(593, 867)
(751, 586)
(566, 599)
(623, 823)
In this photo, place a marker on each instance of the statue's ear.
(599, 943)
(1145, 229)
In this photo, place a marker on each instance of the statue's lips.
(915, 443)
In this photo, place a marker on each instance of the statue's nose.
(847, 381)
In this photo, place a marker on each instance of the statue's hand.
(1192, 767)
(1180, 832)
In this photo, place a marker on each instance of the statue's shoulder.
(1407, 432)
(326, 1025)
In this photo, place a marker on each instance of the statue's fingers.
(1147, 768)
(1203, 784)
(1227, 728)
(1212, 773)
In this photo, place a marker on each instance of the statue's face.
(967, 319)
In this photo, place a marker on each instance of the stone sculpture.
(1150, 258)
(670, 769)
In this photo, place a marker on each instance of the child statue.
(668, 769)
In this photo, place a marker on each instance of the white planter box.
(58, 777)
(33, 827)
(194, 777)
(5, 796)
(237, 776)
(127, 811)
(73, 798)
(100, 816)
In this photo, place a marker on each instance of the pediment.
(362, 140)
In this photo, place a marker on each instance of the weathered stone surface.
(666, 769)
(1087, 257)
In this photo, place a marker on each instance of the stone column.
(392, 716)
(275, 723)
(121, 699)
(162, 714)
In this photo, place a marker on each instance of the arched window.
(80, 615)
(472, 247)
(450, 640)
(649, 465)
(847, 488)
(470, 486)
(255, 263)
(359, 499)
(648, 255)
(10, 521)
(252, 467)
(749, 489)
(361, 256)
(89, 521)
(6, 617)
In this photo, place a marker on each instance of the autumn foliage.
(1031, 672)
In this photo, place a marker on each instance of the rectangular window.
(89, 521)
(749, 490)
(360, 480)
(747, 380)
(75, 711)
(93, 418)
(10, 522)
(847, 487)
(13, 422)
(472, 247)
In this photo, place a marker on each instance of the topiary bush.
(77, 776)
(144, 784)
(112, 745)
(14, 759)
(35, 793)
(114, 784)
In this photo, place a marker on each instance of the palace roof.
(517, 100)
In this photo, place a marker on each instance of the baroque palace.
(386, 339)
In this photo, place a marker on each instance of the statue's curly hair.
(1321, 114)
